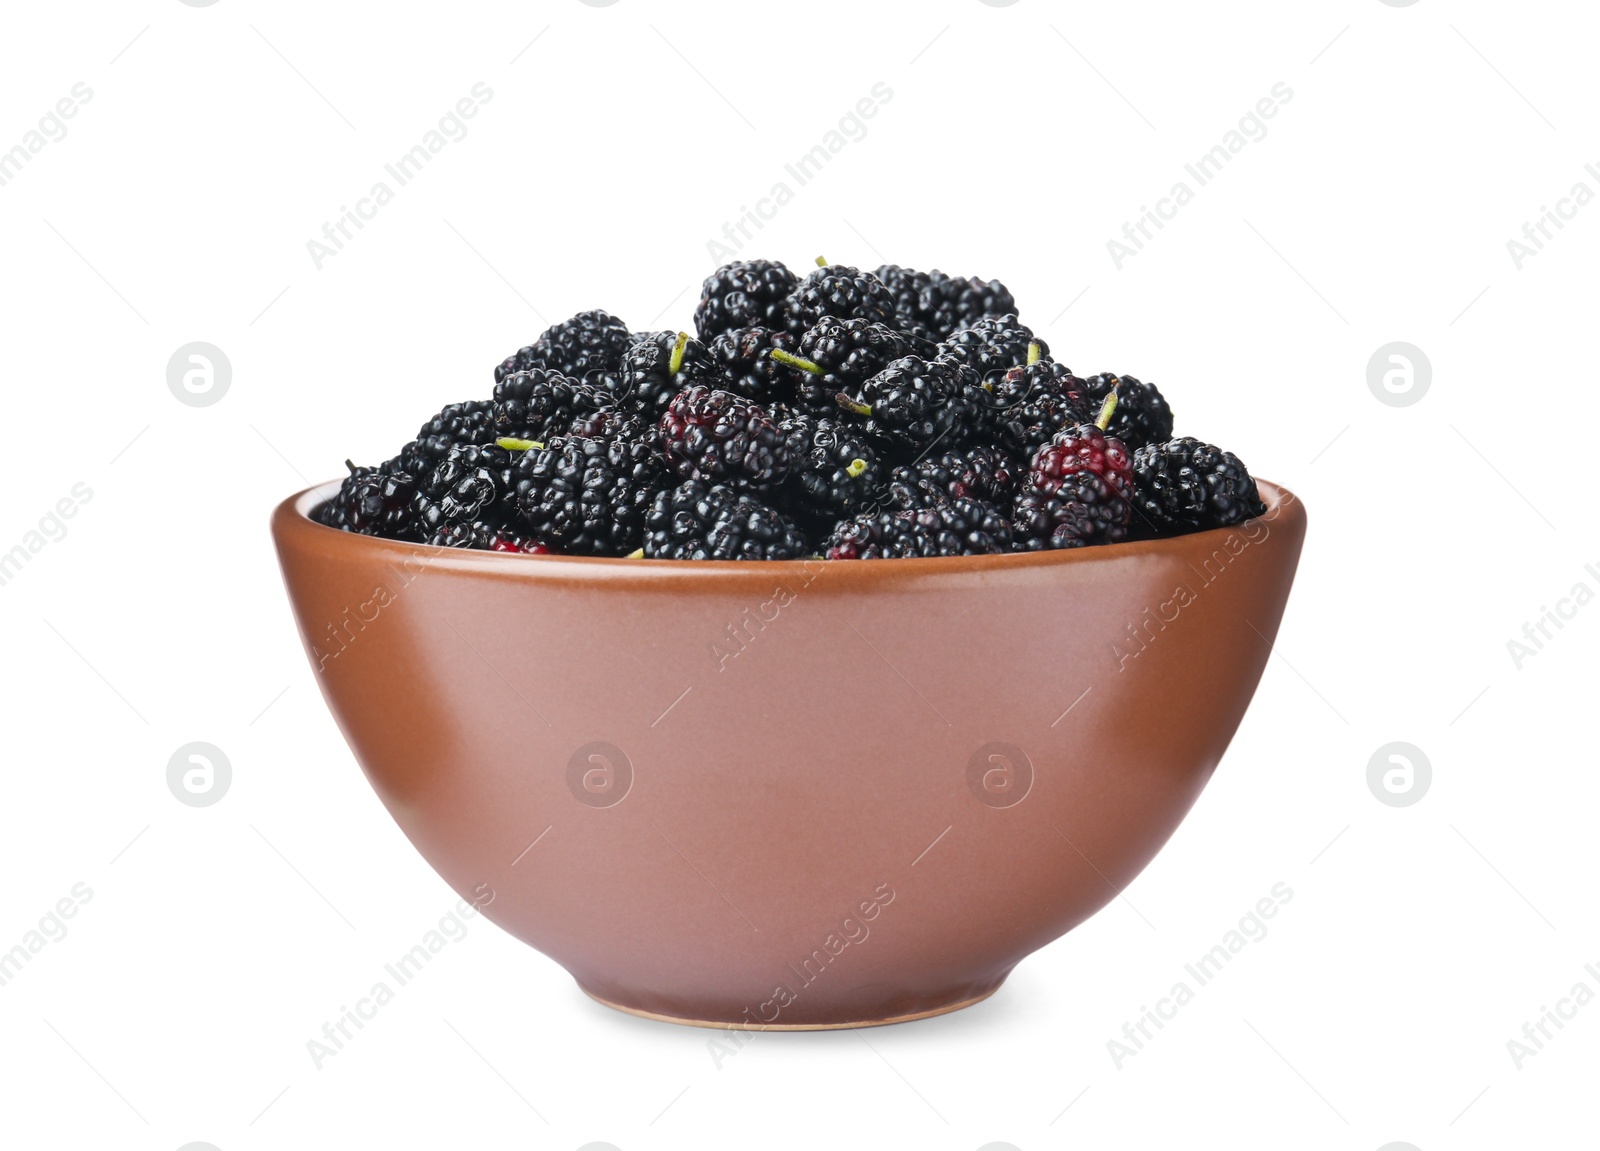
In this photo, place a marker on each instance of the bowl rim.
(291, 519)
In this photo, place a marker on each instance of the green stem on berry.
(794, 361)
(511, 444)
(636, 554)
(1104, 420)
(857, 466)
(675, 364)
(1035, 352)
(851, 405)
(822, 261)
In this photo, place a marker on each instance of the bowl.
(789, 795)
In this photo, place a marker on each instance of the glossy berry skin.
(966, 527)
(837, 290)
(1078, 492)
(383, 506)
(849, 353)
(1082, 510)
(471, 479)
(938, 527)
(470, 422)
(941, 304)
(589, 341)
(588, 495)
(516, 543)
(1084, 448)
(950, 303)
(978, 471)
(1029, 405)
(485, 535)
(1186, 485)
(864, 414)
(741, 362)
(921, 340)
(879, 535)
(835, 472)
(909, 490)
(637, 338)
(374, 502)
(852, 351)
(993, 345)
(614, 424)
(743, 294)
(459, 423)
(336, 512)
(647, 380)
(1142, 416)
(471, 483)
(1042, 522)
(915, 402)
(933, 497)
(720, 437)
(540, 404)
(906, 286)
(700, 521)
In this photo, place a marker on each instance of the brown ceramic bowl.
(789, 795)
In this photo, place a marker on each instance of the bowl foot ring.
(721, 1025)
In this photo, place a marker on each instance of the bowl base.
(722, 1025)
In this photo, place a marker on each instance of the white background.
(1017, 142)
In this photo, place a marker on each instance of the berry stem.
(794, 361)
(511, 444)
(1104, 419)
(851, 405)
(822, 261)
(675, 364)
(1034, 352)
(636, 554)
(857, 466)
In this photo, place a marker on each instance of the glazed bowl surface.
(789, 795)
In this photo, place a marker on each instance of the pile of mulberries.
(844, 414)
